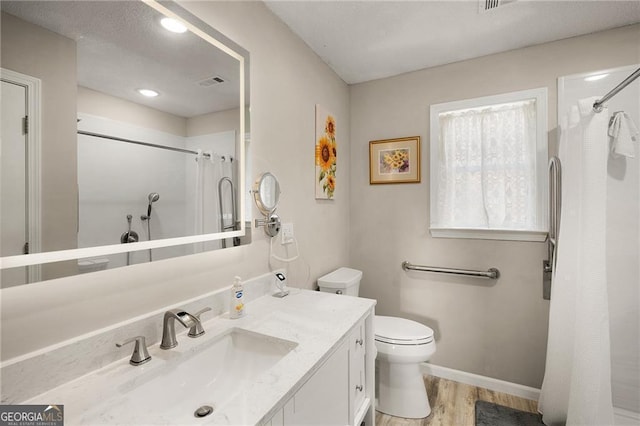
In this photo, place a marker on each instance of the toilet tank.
(341, 281)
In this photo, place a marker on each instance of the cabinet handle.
(359, 388)
(359, 342)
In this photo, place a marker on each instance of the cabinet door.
(357, 383)
(324, 398)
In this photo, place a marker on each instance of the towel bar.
(491, 273)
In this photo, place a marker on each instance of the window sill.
(489, 234)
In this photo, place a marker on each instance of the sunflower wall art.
(394, 160)
(326, 154)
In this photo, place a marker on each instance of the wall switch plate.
(287, 233)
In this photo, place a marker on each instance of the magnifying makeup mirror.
(266, 193)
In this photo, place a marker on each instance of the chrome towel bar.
(492, 273)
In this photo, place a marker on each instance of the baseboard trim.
(481, 381)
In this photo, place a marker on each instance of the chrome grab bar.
(491, 273)
(555, 208)
(555, 205)
(232, 226)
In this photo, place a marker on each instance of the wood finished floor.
(453, 404)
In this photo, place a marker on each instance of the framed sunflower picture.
(326, 154)
(394, 160)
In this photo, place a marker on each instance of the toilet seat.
(400, 331)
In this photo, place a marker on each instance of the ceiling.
(367, 40)
(121, 47)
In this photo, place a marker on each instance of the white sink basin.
(209, 374)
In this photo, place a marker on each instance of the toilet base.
(401, 391)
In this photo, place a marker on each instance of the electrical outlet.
(287, 233)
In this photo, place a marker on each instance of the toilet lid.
(401, 331)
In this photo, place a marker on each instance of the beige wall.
(497, 329)
(215, 122)
(284, 90)
(103, 105)
(52, 59)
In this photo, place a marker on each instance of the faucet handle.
(140, 353)
(197, 330)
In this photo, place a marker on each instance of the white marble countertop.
(315, 321)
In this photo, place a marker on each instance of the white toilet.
(402, 345)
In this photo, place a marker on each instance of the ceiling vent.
(211, 81)
(488, 5)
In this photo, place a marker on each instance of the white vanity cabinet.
(306, 359)
(340, 392)
(323, 399)
(359, 397)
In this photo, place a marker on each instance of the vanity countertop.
(315, 321)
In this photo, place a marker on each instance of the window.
(488, 167)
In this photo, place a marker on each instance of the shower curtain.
(577, 382)
(198, 219)
(207, 210)
(198, 202)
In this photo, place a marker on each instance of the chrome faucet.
(197, 330)
(140, 353)
(169, 328)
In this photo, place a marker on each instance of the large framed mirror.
(124, 135)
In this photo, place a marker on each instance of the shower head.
(153, 197)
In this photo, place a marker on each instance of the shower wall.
(623, 231)
(145, 170)
(115, 179)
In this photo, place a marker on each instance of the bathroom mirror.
(134, 145)
(266, 192)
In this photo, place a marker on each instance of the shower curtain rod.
(597, 106)
(153, 145)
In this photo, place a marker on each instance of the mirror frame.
(203, 30)
(258, 197)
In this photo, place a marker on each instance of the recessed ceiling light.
(173, 25)
(595, 77)
(148, 93)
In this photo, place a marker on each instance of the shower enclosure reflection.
(118, 169)
(169, 186)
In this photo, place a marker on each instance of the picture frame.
(394, 160)
(326, 154)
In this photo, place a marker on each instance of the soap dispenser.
(236, 310)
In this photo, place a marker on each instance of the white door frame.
(33, 88)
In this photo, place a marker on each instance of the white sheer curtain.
(577, 383)
(487, 170)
